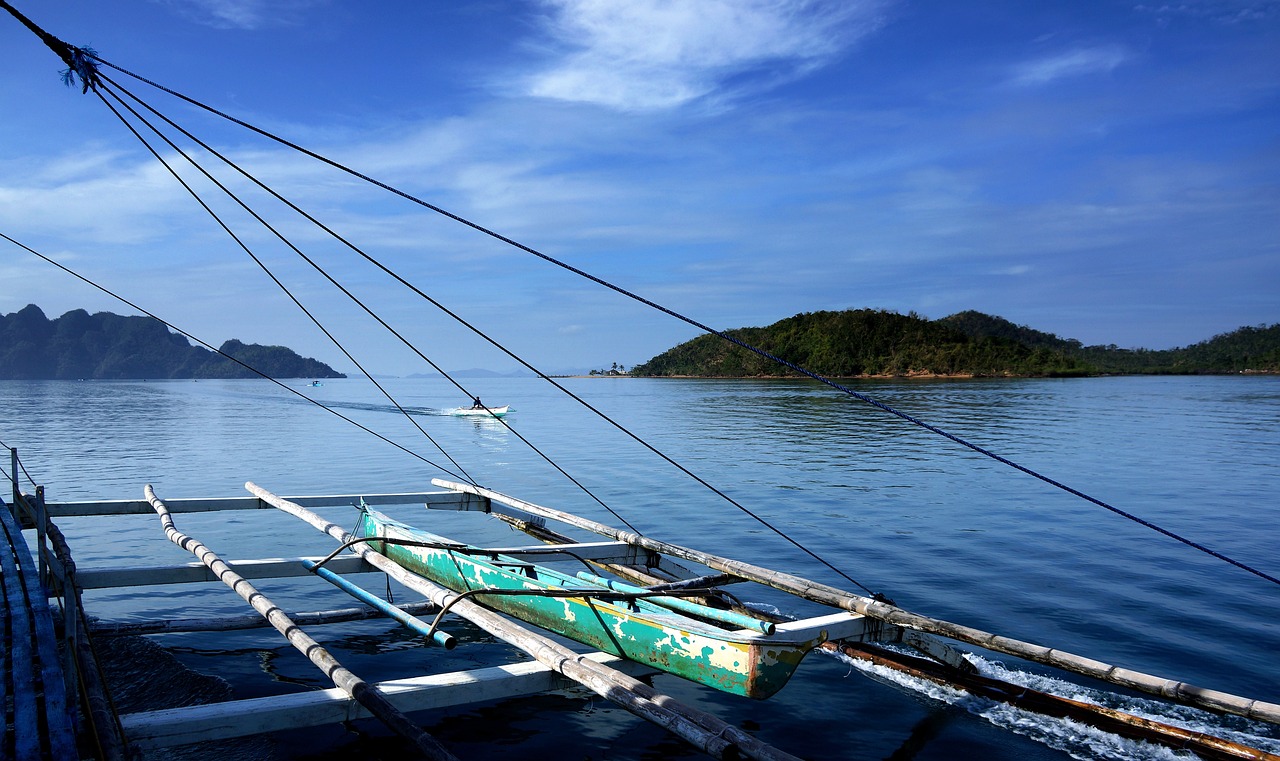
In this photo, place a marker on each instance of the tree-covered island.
(872, 342)
(106, 346)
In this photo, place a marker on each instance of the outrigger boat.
(648, 625)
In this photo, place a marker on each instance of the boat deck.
(39, 720)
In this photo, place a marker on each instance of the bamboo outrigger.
(657, 567)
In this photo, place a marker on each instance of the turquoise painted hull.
(738, 662)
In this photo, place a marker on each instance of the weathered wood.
(99, 713)
(266, 568)
(33, 661)
(353, 685)
(243, 718)
(1181, 692)
(250, 621)
(705, 732)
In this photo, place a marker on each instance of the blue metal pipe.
(437, 637)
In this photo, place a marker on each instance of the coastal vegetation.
(103, 346)
(871, 342)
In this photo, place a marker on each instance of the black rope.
(712, 331)
(355, 299)
(91, 79)
(13, 477)
(500, 347)
(258, 261)
(80, 61)
(214, 349)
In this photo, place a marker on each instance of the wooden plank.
(6, 648)
(23, 659)
(26, 718)
(837, 626)
(601, 552)
(240, 718)
(203, 505)
(265, 568)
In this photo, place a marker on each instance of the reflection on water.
(938, 527)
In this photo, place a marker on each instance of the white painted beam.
(266, 568)
(199, 505)
(241, 718)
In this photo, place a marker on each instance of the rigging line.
(360, 303)
(510, 354)
(262, 265)
(705, 328)
(215, 350)
(21, 465)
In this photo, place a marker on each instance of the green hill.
(104, 346)
(867, 342)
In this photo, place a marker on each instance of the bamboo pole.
(1182, 692)
(360, 690)
(702, 730)
(1107, 719)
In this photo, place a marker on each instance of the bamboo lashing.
(704, 731)
(360, 690)
(1182, 692)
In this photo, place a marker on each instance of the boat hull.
(481, 412)
(738, 662)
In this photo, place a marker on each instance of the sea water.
(941, 529)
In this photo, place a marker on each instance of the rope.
(503, 349)
(214, 349)
(91, 79)
(80, 61)
(355, 299)
(259, 262)
(706, 329)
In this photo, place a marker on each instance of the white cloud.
(1071, 63)
(657, 54)
(242, 14)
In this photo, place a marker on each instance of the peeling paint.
(744, 664)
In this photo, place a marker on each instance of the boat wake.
(1072, 737)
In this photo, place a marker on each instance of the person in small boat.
(477, 405)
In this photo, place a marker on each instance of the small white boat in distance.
(482, 411)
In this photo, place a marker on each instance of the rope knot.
(80, 63)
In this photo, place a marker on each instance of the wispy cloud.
(1221, 11)
(657, 54)
(243, 14)
(1071, 63)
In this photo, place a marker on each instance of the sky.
(1105, 171)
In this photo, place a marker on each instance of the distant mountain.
(108, 346)
(867, 342)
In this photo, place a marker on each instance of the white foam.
(1076, 739)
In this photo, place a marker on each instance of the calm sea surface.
(940, 529)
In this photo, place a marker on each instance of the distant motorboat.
(484, 411)
(315, 383)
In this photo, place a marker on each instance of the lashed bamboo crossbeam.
(1182, 692)
(702, 730)
(250, 621)
(360, 690)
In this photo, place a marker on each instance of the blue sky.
(1106, 171)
